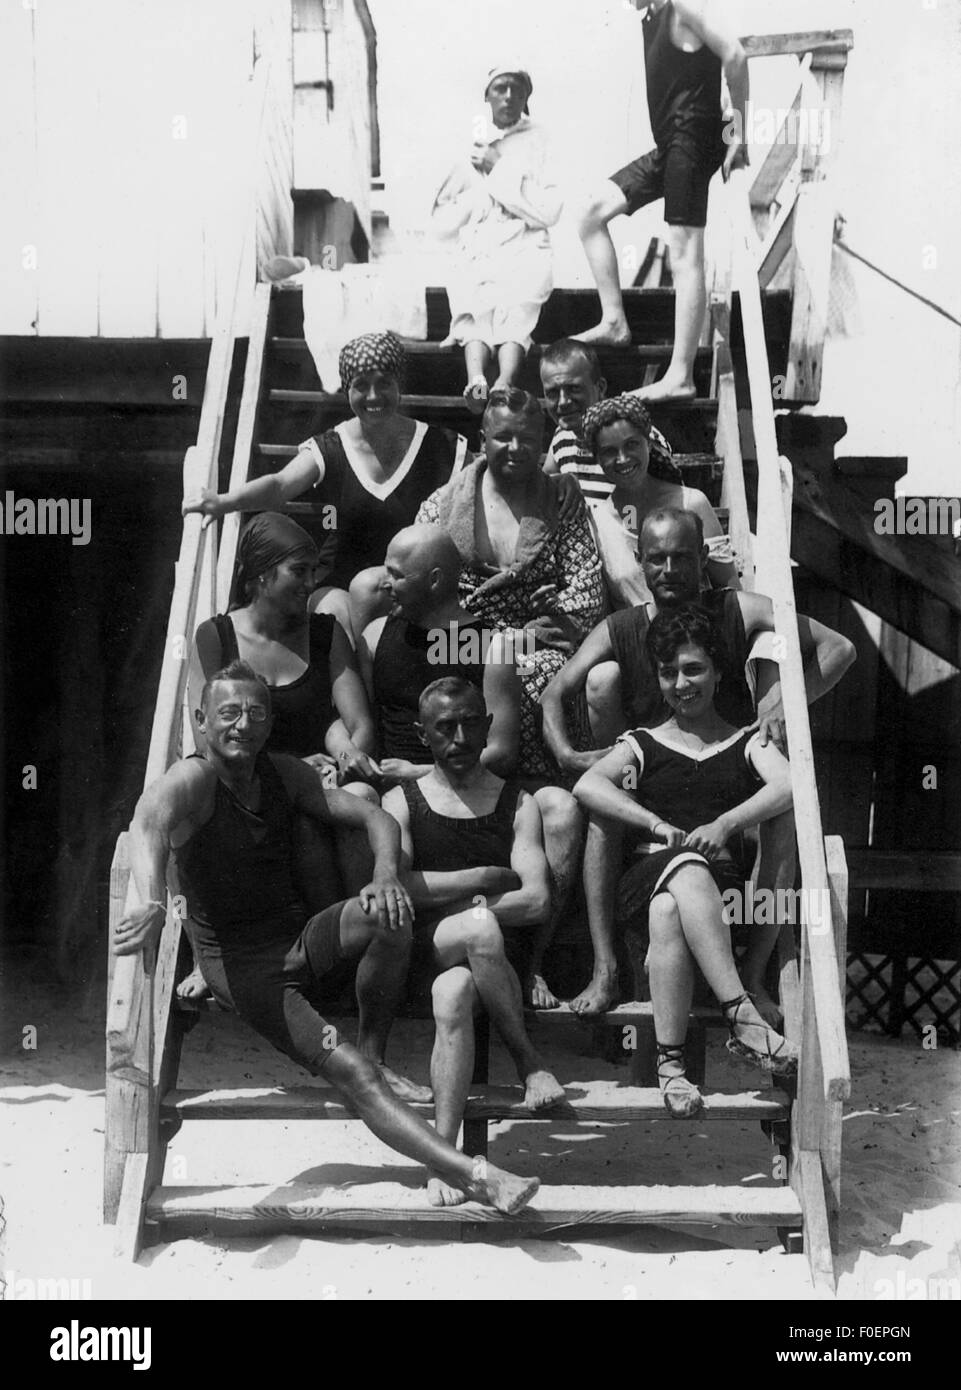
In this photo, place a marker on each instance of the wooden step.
(331, 400)
(433, 369)
(636, 1011)
(304, 1207)
(650, 314)
(597, 1101)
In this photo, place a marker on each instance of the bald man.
(428, 636)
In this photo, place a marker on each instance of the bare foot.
(475, 395)
(610, 332)
(600, 994)
(442, 1194)
(542, 1090)
(405, 1089)
(540, 995)
(767, 1007)
(667, 389)
(193, 986)
(503, 1191)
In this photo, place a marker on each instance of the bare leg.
(381, 977)
(702, 922)
(603, 854)
(563, 832)
(477, 358)
(775, 875)
(455, 999)
(368, 598)
(690, 301)
(510, 364)
(474, 935)
(671, 971)
(608, 202)
(362, 1085)
(605, 708)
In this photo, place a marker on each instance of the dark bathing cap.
(267, 540)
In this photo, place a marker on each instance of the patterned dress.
(552, 552)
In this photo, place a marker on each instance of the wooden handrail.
(829, 1010)
(804, 41)
(135, 1009)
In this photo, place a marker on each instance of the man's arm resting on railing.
(825, 655)
(162, 810)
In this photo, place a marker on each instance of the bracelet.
(155, 902)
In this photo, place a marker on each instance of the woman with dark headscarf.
(637, 459)
(367, 477)
(320, 710)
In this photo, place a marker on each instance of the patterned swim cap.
(381, 352)
(631, 408)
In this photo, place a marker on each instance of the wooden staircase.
(280, 406)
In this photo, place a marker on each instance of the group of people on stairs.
(469, 688)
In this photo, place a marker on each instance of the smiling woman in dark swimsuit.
(688, 789)
(373, 471)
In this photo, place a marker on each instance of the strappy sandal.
(681, 1097)
(779, 1061)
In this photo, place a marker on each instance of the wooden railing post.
(813, 232)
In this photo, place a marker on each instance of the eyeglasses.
(230, 714)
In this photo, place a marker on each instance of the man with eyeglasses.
(229, 816)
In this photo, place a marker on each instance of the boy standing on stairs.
(228, 816)
(687, 45)
(473, 852)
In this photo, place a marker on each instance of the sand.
(900, 1231)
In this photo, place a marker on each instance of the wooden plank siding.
(126, 175)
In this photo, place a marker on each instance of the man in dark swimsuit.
(227, 816)
(474, 859)
(687, 45)
(623, 692)
(429, 635)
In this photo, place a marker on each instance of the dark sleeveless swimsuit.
(687, 792)
(366, 524)
(640, 693)
(303, 710)
(402, 669)
(447, 844)
(255, 946)
(684, 102)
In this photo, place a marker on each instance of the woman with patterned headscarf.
(365, 478)
(499, 205)
(637, 459)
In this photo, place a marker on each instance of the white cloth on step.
(340, 305)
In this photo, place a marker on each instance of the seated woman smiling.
(689, 788)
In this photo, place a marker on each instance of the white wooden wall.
(123, 174)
